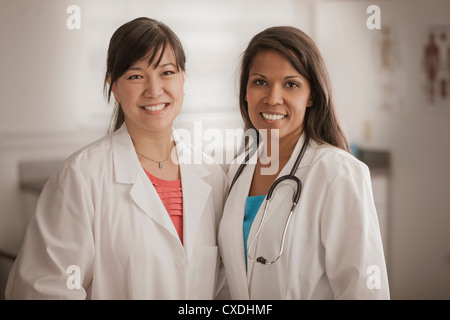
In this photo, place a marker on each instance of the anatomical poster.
(436, 67)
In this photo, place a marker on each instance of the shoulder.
(96, 151)
(334, 162)
(79, 173)
(202, 161)
(86, 163)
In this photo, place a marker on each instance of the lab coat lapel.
(196, 191)
(128, 170)
(146, 197)
(239, 195)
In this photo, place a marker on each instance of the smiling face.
(277, 95)
(151, 96)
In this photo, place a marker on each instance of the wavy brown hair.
(320, 123)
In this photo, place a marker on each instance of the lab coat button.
(180, 263)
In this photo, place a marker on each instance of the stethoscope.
(296, 197)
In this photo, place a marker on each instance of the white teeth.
(273, 116)
(158, 107)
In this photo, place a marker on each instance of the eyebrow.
(263, 76)
(160, 66)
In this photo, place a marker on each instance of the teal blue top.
(252, 205)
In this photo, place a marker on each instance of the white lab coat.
(101, 214)
(333, 247)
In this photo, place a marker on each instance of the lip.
(272, 116)
(154, 108)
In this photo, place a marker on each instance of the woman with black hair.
(129, 216)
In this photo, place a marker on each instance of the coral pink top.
(171, 196)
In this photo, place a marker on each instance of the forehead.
(273, 61)
(155, 58)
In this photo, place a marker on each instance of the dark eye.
(134, 77)
(292, 85)
(260, 82)
(168, 73)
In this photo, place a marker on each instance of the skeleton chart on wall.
(436, 67)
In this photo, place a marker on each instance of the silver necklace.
(159, 162)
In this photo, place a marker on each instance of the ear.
(310, 102)
(113, 89)
(184, 76)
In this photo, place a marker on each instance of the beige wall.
(46, 115)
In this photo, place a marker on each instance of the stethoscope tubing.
(295, 199)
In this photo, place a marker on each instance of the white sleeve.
(57, 252)
(350, 233)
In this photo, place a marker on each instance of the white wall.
(43, 109)
(416, 134)
(39, 67)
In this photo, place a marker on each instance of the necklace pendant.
(160, 165)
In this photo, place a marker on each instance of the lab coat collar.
(236, 247)
(126, 162)
(306, 161)
(196, 191)
(127, 165)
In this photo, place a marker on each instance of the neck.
(155, 145)
(280, 148)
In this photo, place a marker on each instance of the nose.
(274, 96)
(153, 88)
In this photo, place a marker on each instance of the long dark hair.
(320, 123)
(133, 41)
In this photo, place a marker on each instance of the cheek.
(177, 90)
(252, 112)
(125, 93)
(251, 100)
(250, 96)
(298, 114)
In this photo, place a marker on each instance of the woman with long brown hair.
(307, 228)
